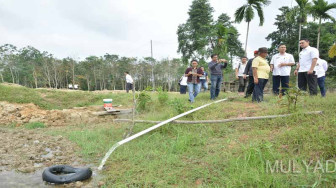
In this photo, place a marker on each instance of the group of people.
(310, 71)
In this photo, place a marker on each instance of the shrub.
(162, 96)
(35, 125)
(178, 105)
(143, 99)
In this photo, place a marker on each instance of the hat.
(256, 51)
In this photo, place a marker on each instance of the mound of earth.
(19, 114)
(29, 150)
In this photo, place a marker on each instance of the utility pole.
(153, 64)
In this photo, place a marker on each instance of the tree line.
(199, 37)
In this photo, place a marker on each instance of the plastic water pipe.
(107, 155)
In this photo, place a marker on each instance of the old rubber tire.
(70, 174)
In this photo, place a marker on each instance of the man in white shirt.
(320, 69)
(129, 82)
(281, 67)
(305, 67)
(240, 68)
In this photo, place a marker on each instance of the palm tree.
(246, 12)
(320, 11)
(303, 11)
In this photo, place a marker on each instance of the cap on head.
(255, 51)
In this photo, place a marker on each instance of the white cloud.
(85, 27)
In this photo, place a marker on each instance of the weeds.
(162, 96)
(35, 125)
(143, 100)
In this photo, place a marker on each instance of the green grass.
(53, 99)
(35, 125)
(233, 154)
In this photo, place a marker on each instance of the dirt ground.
(20, 114)
(29, 150)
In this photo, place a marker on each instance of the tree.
(193, 36)
(320, 11)
(299, 14)
(287, 33)
(246, 12)
(200, 36)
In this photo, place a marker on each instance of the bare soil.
(29, 150)
(20, 114)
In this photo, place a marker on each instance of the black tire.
(71, 174)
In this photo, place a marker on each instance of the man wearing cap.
(261, 71)
(305, 68)
(193, 73)
(281, 67)
(249, 73)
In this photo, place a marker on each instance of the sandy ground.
(20, 114)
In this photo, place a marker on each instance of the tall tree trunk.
(2, 79)
(35, 77)
(299, 37)
(153, 79)
(248, 27)
(95, 79)
(318, 35)
(66, 80)
(55, 76)
(73, 73)
(13, 78)
(88, 83)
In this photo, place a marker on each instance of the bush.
(178, 105)
(35, 125)
(143, 99)
(293, 96)
(162, 96)
(148, 88)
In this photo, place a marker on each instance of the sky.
(80, 28)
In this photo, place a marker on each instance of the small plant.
(148, 88)
(178, 105)
(162, 96)
(35, 125)
(143, 99)
(293, 96)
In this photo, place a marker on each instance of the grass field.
(234, 154)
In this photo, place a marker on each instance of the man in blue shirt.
(216, 70)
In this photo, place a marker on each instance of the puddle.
(13, 179)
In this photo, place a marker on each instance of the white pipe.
(107, 155)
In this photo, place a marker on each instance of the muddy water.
(13, 179)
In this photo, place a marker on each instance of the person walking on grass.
(216, 69)
(183, 84)
(248, 74)
(240, 75)
(281, 67)
(129, 82)
(204, 80)
(320, 69)
(193, 73)
(305, 68)
(261, 71)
